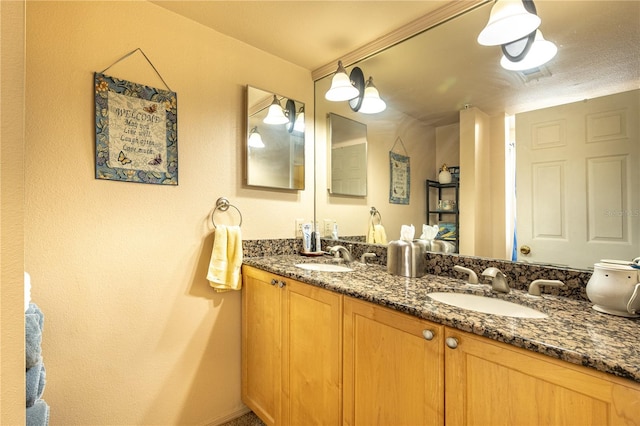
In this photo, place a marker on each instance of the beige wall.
(12, 359)
(133, 333)
(448, 145)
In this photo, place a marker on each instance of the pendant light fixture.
(341, 87)
(255, 140)
(541, 52)
(509, 20)
(299, 124)
(275, 115)
(371, 102)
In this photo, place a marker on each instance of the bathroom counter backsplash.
(519, 274)
(573, 331)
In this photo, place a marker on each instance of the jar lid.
(606, 264)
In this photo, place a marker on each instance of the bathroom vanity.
(365, 347)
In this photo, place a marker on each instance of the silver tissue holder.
(406, 259)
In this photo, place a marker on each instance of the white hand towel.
(379, 235)
(226, 259)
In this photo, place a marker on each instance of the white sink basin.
(323, 267)
(487, 305)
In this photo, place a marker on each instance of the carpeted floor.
(248, 419)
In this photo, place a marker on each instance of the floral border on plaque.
(400, 178)
(136, 132)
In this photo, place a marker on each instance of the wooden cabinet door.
(491, 383)
(311, 355)
(261, 344)
(392, 374)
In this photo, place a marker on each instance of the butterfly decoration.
(123, 159)
(157, 160)
(151, 108)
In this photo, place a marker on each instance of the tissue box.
(406, 259)
(447, 231)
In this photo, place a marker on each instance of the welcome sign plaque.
(136, 132)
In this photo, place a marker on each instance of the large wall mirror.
(275, 141)
(347, 156)
(435, 82)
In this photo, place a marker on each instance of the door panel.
(578, 181)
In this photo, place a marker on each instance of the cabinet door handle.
(452, 342)
(274, 281)
(281, 284)
(427, 334)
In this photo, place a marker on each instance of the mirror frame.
(278, 136)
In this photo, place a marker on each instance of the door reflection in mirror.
(347, 157)
(278, 161)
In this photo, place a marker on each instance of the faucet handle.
(363, 258)
(534, 287)
(473, 277)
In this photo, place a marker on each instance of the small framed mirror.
(347, 157)
(275, 141)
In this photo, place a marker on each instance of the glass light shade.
(255, 140)
(341, 87)
(541, 52)
(372, 103)
(298, 126)
(509, 21)
(275, 115)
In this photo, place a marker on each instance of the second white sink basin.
(487, 305)
(323, 267)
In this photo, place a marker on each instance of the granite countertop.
(573, 331)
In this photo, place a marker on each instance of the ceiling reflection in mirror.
(430, 78)
(275, 141)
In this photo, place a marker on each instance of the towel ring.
(374, 212)
(223, 205)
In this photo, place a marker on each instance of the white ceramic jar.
(445, 175)
(615, 289)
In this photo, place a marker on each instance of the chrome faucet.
(346, 255)
(498, 280)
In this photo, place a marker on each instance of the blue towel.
(33, 322)
(35, 382)
(34, 309)
(38, 414)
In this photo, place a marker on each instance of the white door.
(578, 181)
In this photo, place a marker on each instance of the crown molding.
(430, 20)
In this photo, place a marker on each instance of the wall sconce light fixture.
(362, 97)
(513, 24)
(341, 87)
(255, 140)
(275, 115)
(371, 102)
(509, 21)
(299, 123)
(541, 52)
